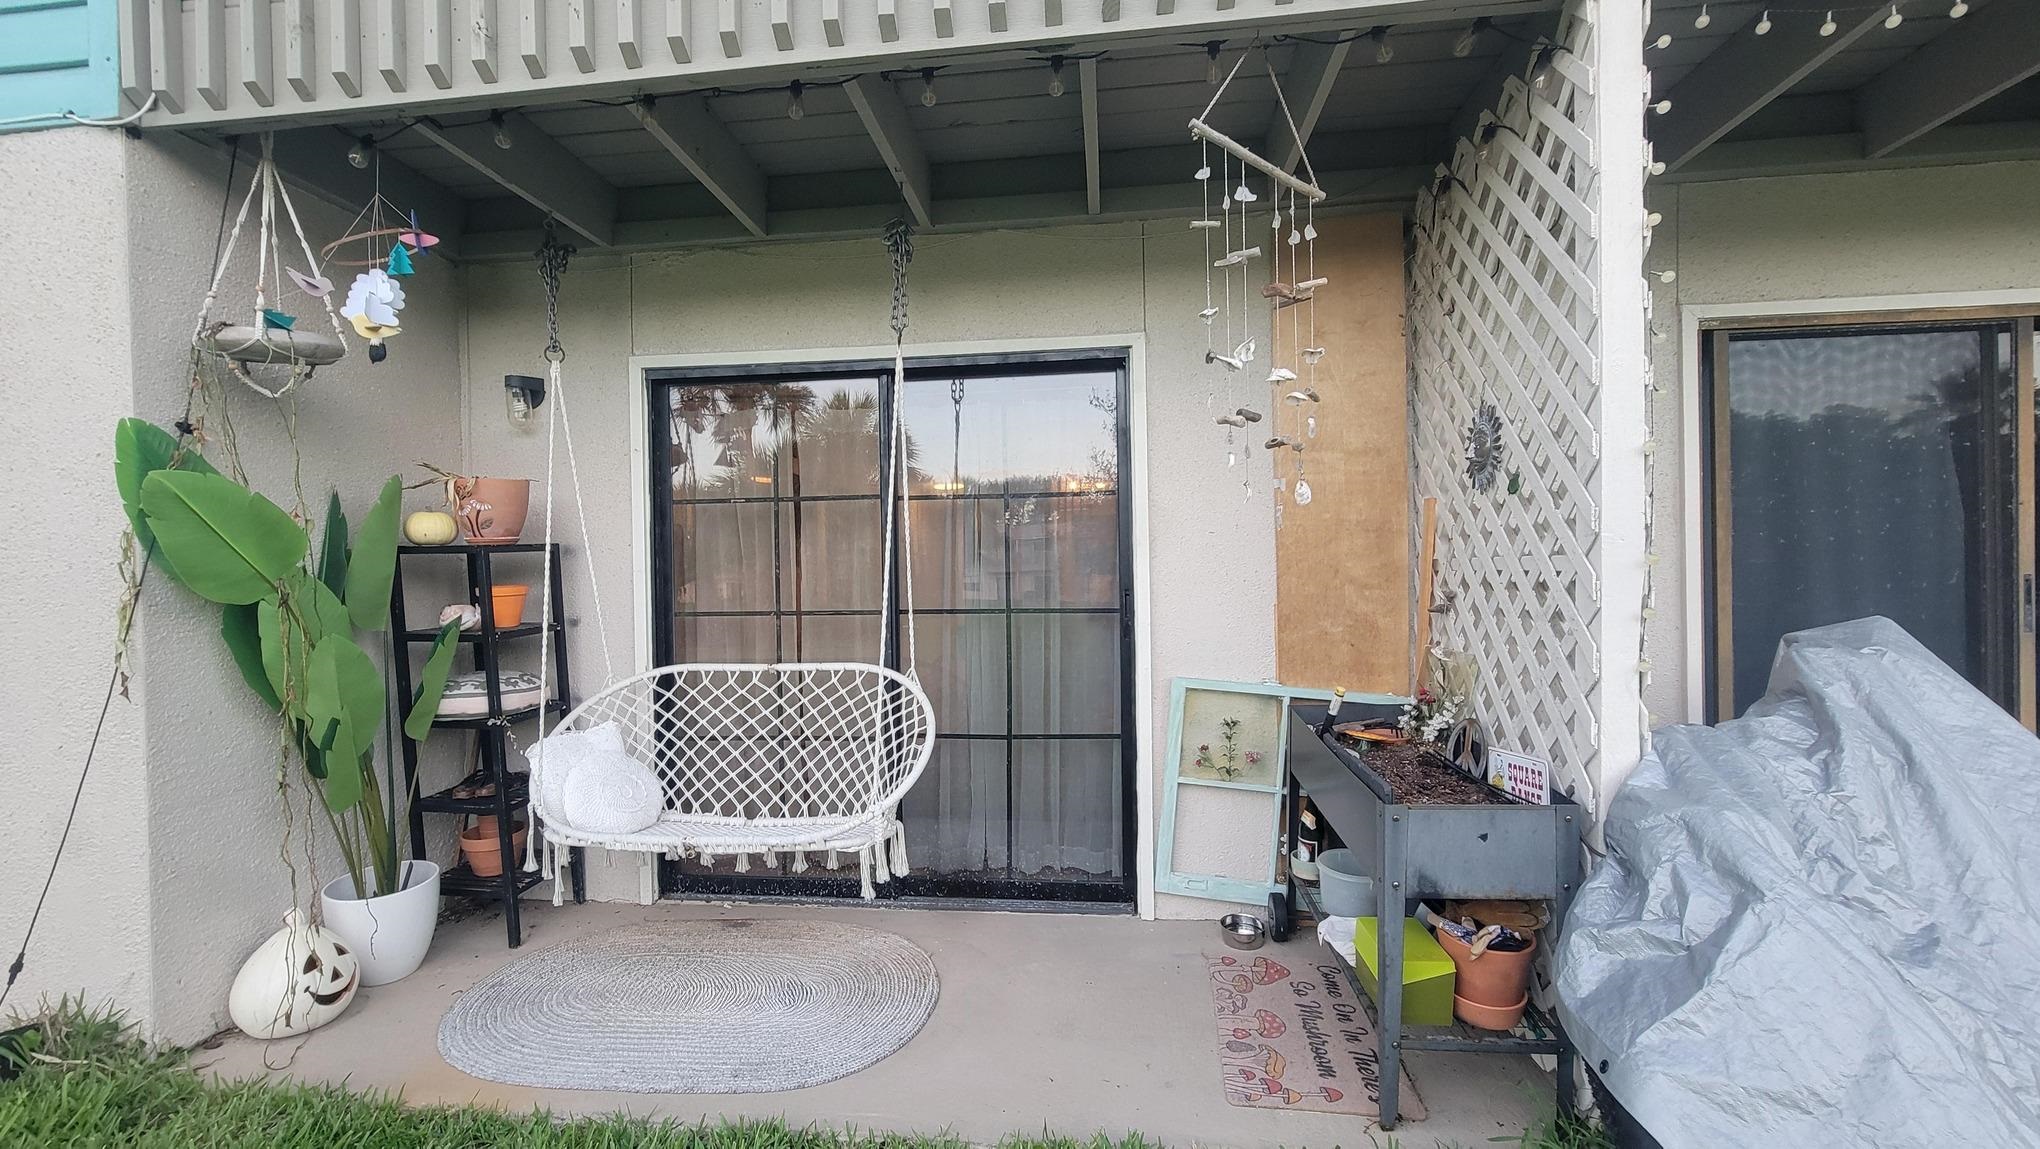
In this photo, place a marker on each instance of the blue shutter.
(57, 56)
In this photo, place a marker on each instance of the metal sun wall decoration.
(1484, 447)
(1230, 350)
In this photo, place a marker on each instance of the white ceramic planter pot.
(389, 934)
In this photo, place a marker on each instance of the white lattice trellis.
(1503, 309)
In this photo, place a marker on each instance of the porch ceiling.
(1933, 89)
(730, 164)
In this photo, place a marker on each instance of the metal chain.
(899, 243)
(552, 263)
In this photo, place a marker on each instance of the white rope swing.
(754, 758)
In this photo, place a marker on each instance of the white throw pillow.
(557, 755)
(612, 794)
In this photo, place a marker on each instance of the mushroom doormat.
(1297, 1038)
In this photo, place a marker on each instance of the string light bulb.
(358, 154)
(502, 136)
(795, 106)
(1468, 40)
(1541, 65)
(927, 87)
(1383, 50)
(1662, 107)
(1763, 27)
(1663, 41)
(1055, 80)
(1894, 20)
(1703, 19)
(1211, 60)
(1828, 26)
(1960, 9)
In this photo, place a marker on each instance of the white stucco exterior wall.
(1871, 234)
(58, 581)
(175, 871)
(1211, 552)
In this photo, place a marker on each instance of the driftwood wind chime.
(1290, 291)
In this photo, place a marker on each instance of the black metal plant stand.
(492, 730)
(1512, 851)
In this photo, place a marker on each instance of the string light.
(502, 137)
(1383, 50)
(927, 87)
(795, 106)
(1960, 10)
(1463, 47)
(1661, 107)
(1541, 65)
(1893, 20)
(1764, 23)
(1210, 61)
(1663, 41)
(1055, 80)
(1703, 19)
(358, 154)
(1828, 27)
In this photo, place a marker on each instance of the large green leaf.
(374, 564)
(432, 683)
(227, 543)
(333, 547)
(306, 613)
(140, 447)
(345, 700)
(241, 628)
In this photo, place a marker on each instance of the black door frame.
(962, 889)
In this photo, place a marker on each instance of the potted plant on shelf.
(295, 620)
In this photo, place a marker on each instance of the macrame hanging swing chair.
(771, 759)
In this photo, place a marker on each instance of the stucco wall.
(58, 579)
(1212, 555)
(1891, 233)
(175, 871)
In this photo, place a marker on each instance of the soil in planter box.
(1417, 778)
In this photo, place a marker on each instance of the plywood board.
(1342, 564)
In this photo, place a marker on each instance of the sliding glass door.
(768, 534)
(1860, 469)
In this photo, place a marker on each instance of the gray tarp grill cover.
(1819, 924)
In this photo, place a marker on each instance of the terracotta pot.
(508, 600)
(1489, 1016)
(483, 851)
(491, 510)
(486, 823)
(1494, 979)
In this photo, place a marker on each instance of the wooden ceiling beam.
(1306, 86)
(885, 119)
(1975, 59)
(1747, 72)
(535, 168)
(685, 127)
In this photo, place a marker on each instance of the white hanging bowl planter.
(243, 343)
(389, 934)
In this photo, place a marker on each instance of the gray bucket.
(1343, 886)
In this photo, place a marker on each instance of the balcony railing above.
(292, 62)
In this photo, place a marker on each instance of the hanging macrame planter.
(271, 340)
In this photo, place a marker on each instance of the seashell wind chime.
(1230, 349)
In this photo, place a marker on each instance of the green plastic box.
(1427, 971)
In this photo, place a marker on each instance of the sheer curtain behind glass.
(1870, 472)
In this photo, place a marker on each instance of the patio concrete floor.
(1070, 1023)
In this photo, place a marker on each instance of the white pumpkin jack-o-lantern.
(299, 979)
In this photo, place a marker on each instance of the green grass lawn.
(84, 1080)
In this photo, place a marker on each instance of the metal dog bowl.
(1243, 931)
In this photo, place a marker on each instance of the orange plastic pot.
(508, 600)
(1496, 981)
(484, 850)
(1490, 1016)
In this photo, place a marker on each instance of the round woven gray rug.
(713, 1006)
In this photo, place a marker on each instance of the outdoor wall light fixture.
(522, 395)
(503, 138)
